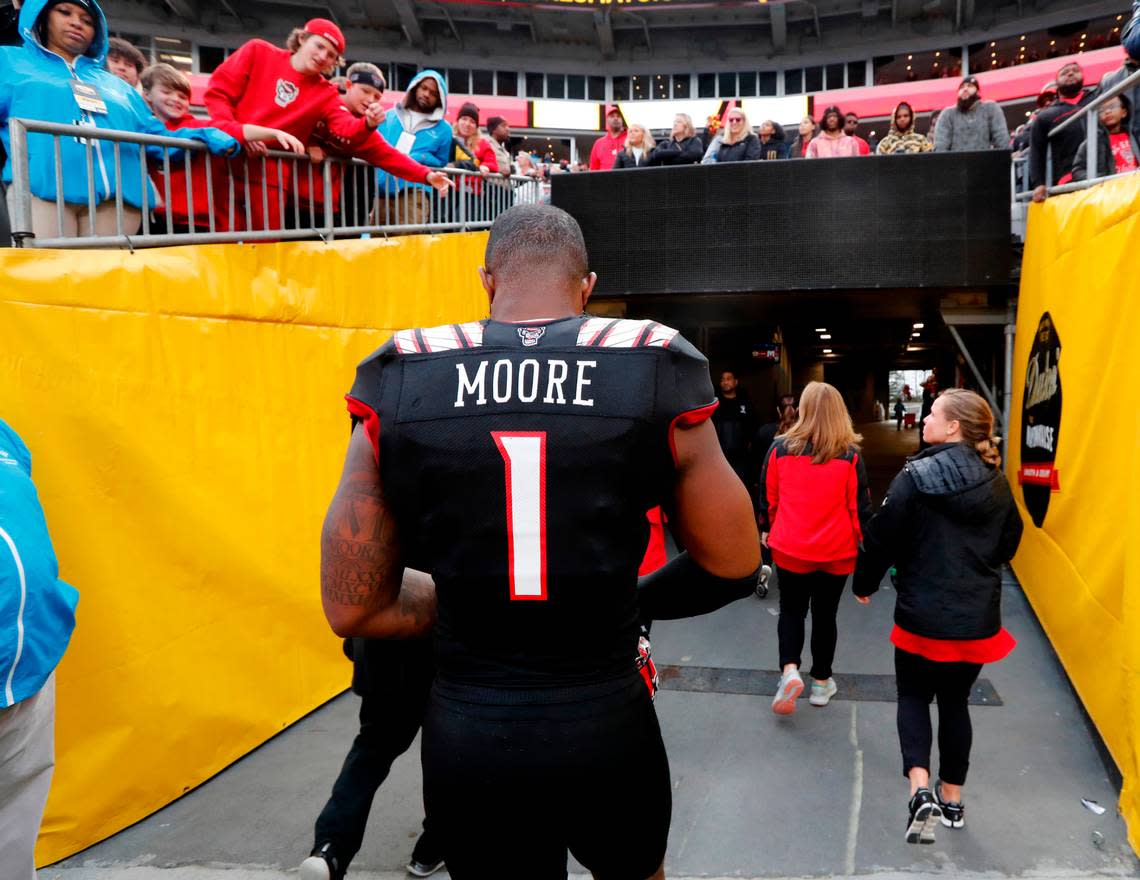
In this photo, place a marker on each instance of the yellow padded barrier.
(184, 408)
(1081, 567)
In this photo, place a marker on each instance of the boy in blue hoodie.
(37, 615)
(417, 128)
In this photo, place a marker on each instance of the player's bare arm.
(365, 589)
(713, 510)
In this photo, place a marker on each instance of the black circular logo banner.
(1041, 421)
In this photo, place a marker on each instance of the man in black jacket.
(1071, 96)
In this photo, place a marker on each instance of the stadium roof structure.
(617, 35)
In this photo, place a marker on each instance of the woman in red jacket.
(813, 499)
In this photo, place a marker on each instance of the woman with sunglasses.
(736, 143)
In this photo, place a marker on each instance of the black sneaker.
(322, 864)
(953, 812)
(425, 859)
(924, 815)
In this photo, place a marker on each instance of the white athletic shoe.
(791, 686)
(821, 694)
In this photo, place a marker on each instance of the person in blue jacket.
(37, 615)
(57, 75)
(417, 128)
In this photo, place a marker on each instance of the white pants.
(76, 220)
(27, 756)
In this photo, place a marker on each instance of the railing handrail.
(1093, 105)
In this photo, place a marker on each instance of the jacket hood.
(894, 115)
(954, 479)
(31, 12)
(441, 110)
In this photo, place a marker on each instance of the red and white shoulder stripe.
(622, 333)
(446, 337)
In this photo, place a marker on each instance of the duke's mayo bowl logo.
(1041, 421)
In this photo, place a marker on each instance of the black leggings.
(920, 681)
(821, 591)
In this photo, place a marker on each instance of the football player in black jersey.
(495, 487)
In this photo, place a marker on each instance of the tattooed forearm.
(359, 548)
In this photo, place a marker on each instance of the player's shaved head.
(536, 240)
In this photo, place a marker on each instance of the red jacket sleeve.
(377, 151)
(343, 126)
(595, 156)
(487, 156)
(227, 85)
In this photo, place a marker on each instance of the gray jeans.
(27, 756)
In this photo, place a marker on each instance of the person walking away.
(38, 610)
(929, 392)
(947, 525)
(814, 499)
(900, 413)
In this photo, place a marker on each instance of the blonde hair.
(975, 422)
(823, 421)
(745, 130)
(297, 36)
(688, 120)
(648, 142)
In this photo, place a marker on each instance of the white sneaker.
(762, 584)
(821, 694)
(791, 686)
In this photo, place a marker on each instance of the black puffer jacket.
(688, 151)
(948, 524)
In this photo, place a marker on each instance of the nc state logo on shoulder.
(531, 335)
(286, 93)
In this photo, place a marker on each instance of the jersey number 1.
(524, 461)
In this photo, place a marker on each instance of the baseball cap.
(612, 109)
(1048, 92)
(322, 27)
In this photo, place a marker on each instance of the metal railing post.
(1091, 170)
(326, 183)
(22, 229)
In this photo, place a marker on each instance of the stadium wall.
(184, 408)
(1078, 465)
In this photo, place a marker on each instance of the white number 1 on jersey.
(524, 460)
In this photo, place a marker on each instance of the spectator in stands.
(773, 144)
(125, 61)
(813, 503)
(499, 136)
(683, 146)
(971, 124)
(1117, 147)
(713, 126)
(833, 141)
(807, 133)
(364, 87)
(736, 143)
(10, 25)
(639, 143)
(606, 148)
(948, 524)
(471, 151)
(284, 89)
(1020, 142)
(34, 86)
(417, 128)
(38, 611)
(902, 137)
(933, 126)
(167, 93)
(1130, 65)
(1071, 96)
(851, 129)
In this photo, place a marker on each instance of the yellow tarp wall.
(184, 408)
(1081, 569)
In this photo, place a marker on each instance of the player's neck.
(511, 307)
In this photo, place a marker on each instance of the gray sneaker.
(821, 694)
(791, 686)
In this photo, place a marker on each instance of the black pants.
(394, 680)
(821, 591)
(514, 784)
(920, 681)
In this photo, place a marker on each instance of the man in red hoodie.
(284, 88)
(604, 152)
(167, 91)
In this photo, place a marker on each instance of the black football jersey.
(520, 461)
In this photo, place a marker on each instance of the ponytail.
(975, 421)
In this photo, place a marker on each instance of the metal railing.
(1089, 112)
(276, 197)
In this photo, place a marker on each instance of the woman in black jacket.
(684, 147)
(639, 143)
(948, 525)
(736, 143)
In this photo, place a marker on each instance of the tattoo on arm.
(359, 546)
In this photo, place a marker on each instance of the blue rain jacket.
(433, 136)
(37, 609)
(34, 84)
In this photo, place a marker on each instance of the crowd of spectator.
(264, 97)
